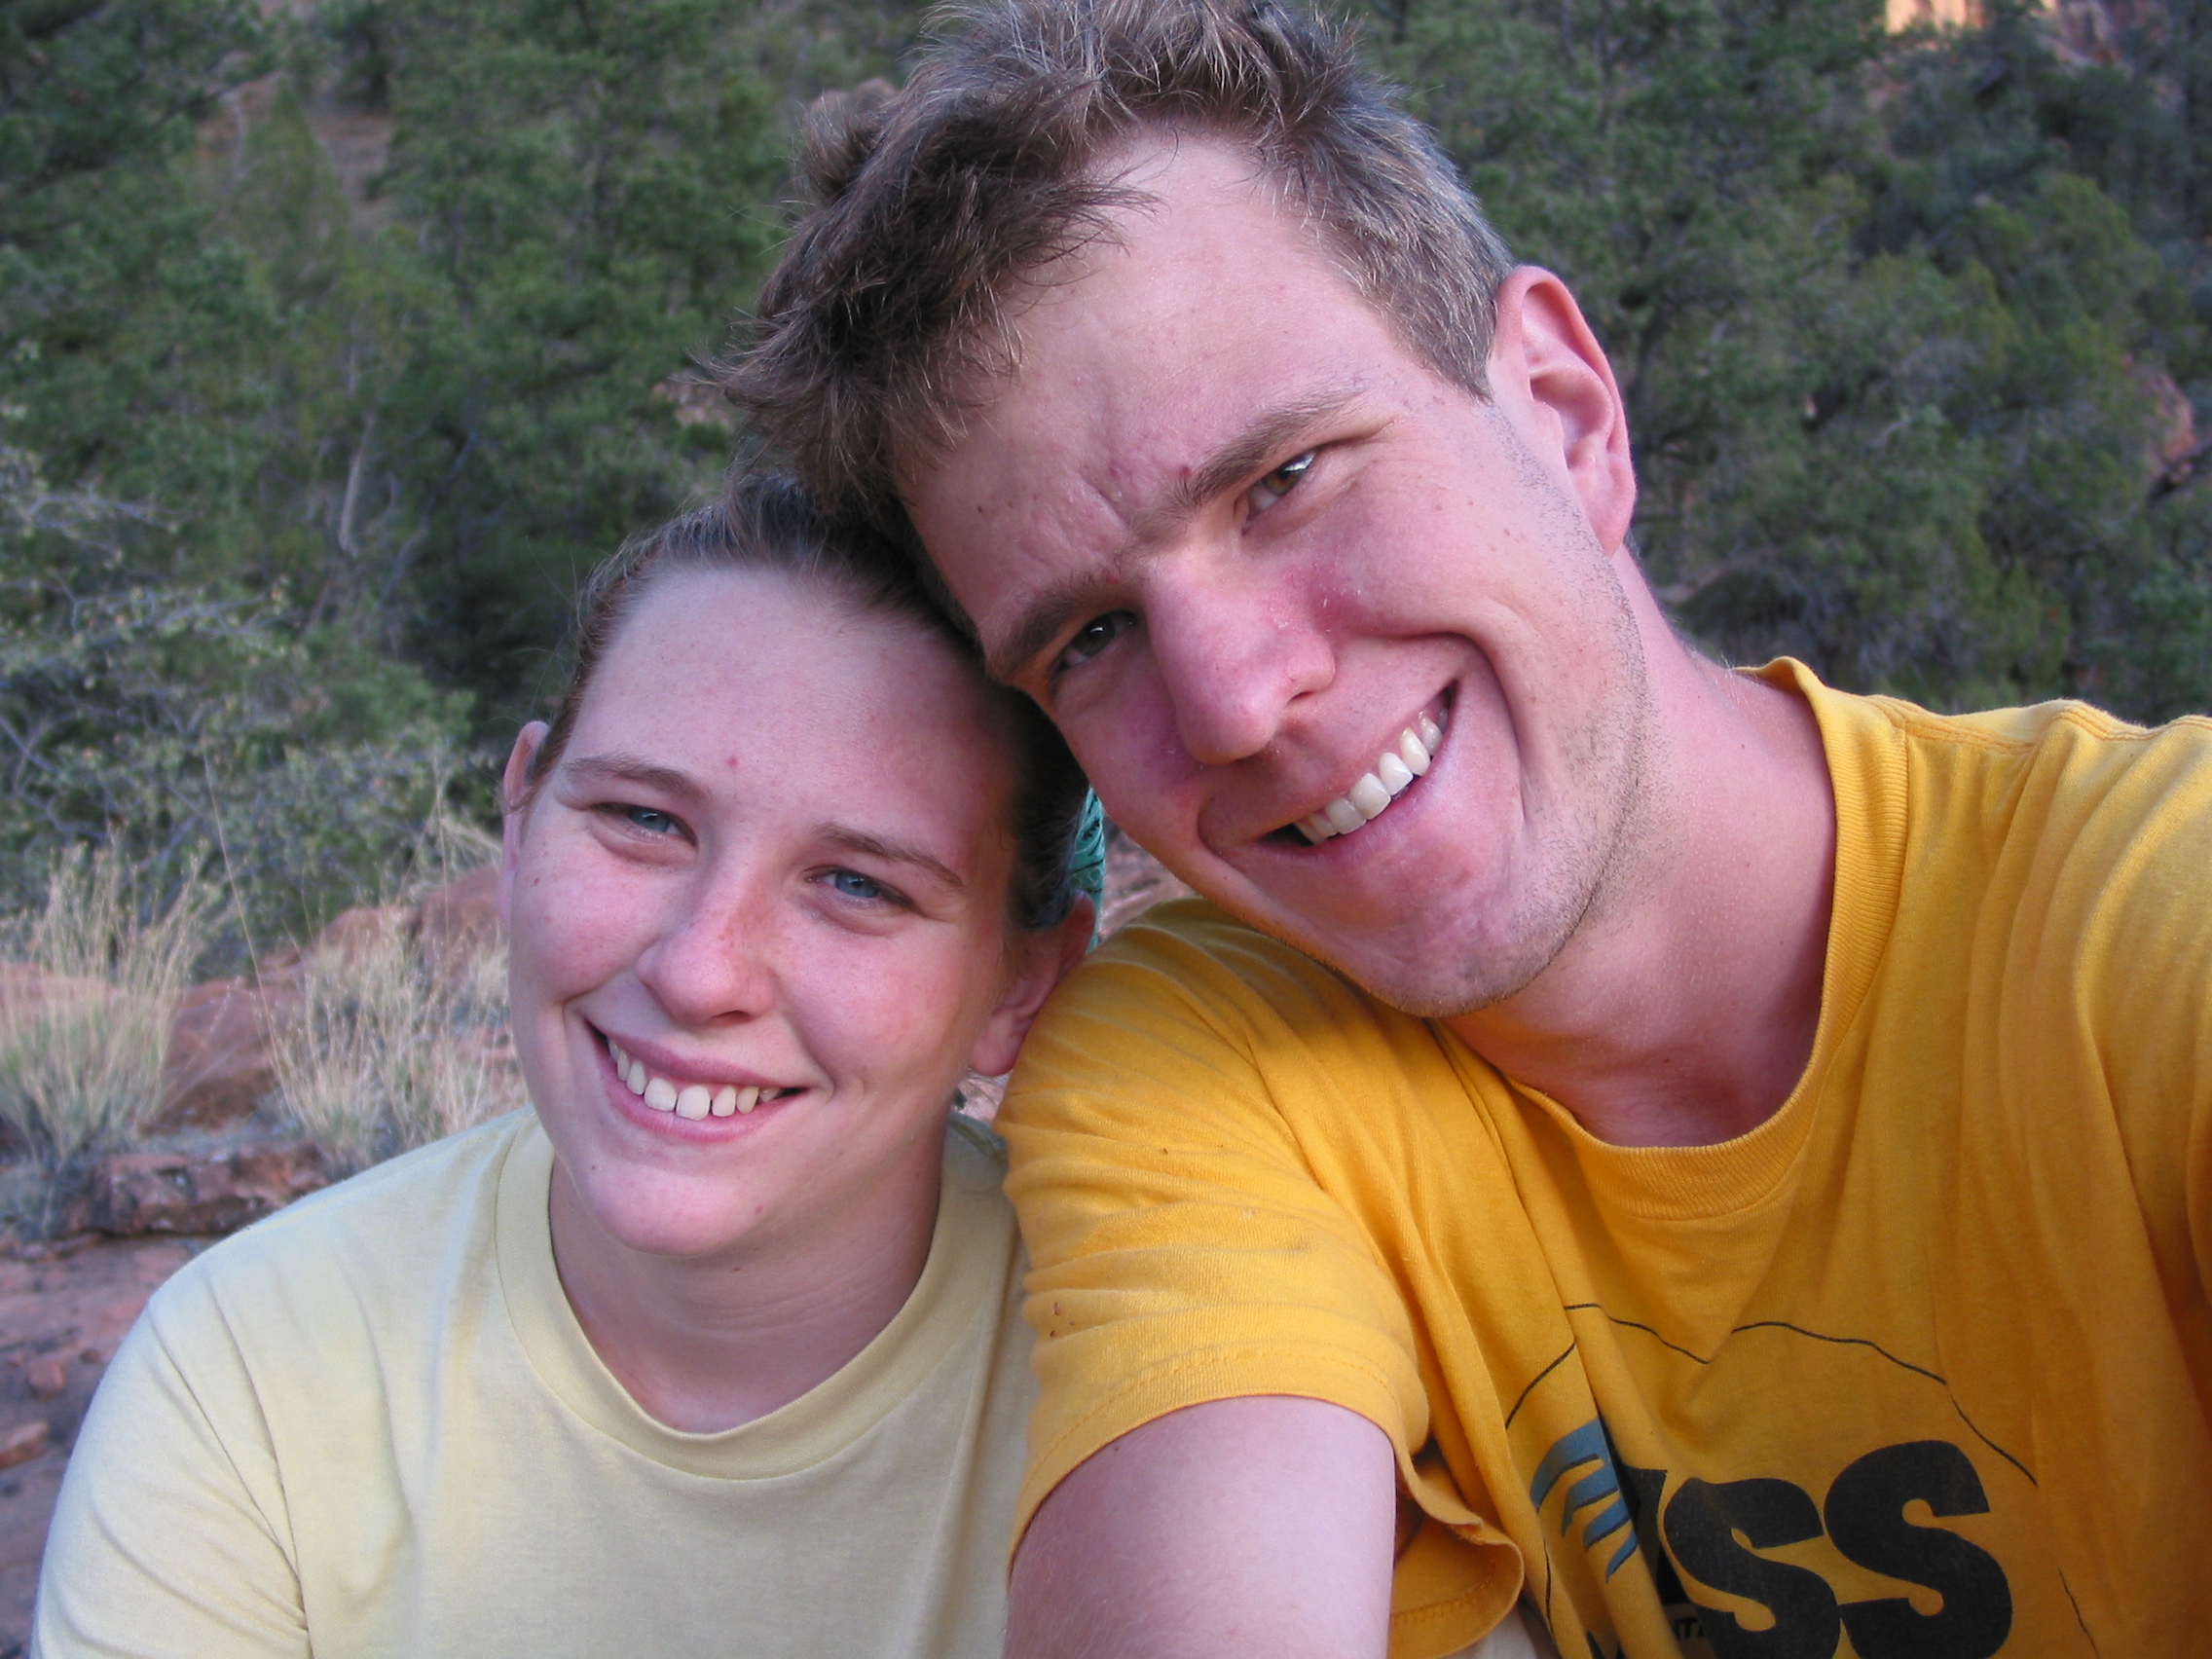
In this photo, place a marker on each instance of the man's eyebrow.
(1262, 441)
(619, 767)
(896, 852)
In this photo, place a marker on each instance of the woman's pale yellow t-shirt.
(371, 1425)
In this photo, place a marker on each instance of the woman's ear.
(1041, 960)
(514, 804)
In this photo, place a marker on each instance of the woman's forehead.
(732, 671)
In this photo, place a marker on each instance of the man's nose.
(713, 960)
(1234, 648)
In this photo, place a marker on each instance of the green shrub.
(189, 726)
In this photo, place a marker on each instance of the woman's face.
(767, 884)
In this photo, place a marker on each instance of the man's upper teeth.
(1366, 800)
(694, 1100)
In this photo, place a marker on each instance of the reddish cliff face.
(2105, 31)
(1942, 14)
(2089, 31)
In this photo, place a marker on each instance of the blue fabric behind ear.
(1086, 857)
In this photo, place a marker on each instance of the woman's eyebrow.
(897, 852)
(622, 768)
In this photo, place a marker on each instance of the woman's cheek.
(582, 916)
(880, 1018)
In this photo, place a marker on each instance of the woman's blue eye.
(647, 819)
(854, 885)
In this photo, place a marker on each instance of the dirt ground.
(62, 1315)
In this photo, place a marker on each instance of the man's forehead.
(1209, 319)
(1130, 376)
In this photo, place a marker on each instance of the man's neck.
(1683, 1011)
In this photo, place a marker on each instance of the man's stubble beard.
(1586, 864)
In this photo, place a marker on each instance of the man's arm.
(1242, 1527)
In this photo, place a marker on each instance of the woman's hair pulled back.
(766, 523)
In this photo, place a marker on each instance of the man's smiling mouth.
(1371, 796)
(693, 1101)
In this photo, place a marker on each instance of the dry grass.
(394, 1044)
(84, 1017)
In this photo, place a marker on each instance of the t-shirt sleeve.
(169, 1537)
(1184, 1246)
(2124, 958)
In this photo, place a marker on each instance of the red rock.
(182, 1192)
(25, 990)
(217, 1067)
(22, 1445)
(460, 920)
(46, 1377)
(351, 933)
(2171, 454)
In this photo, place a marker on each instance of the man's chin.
(1420, 990)
(1418, 965)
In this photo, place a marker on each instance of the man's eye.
(651, 822)
(854, 885)
(1280, 481)
(1095, 635)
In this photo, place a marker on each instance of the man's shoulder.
(1187, 961)
(1189, 1015)
(2088, 798)
(2070, 741)
(2060, 782)
(369, 1247)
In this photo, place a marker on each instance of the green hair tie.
(1086, 857)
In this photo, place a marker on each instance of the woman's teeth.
(1366, 800)
(694, 1100)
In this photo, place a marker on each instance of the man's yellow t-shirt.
(371, 1425)
(1919, 1367)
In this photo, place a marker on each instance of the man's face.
(1238, 541)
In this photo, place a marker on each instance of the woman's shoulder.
(974, 1157)
(376, 1243)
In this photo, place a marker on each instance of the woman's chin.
(656, 1214)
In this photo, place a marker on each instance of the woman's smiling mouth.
(692, 1100)
(1371, 796)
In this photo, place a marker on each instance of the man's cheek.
(1137, 796)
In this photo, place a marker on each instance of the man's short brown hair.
(888, 314)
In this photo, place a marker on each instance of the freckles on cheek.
(889, 1021)
(572, 935)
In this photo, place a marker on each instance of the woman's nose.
(711, 962)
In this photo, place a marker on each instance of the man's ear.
(514, 802)
(1041, 960)
(1549, 374)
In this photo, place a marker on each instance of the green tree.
(1892, 356)
(194, 731)
(589, 184)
